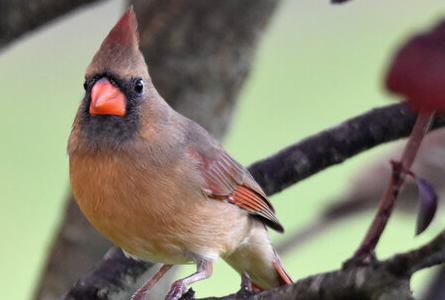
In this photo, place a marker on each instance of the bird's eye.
(139, 86)
(85, 85)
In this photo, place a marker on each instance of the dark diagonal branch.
(295, 163)
(334, 146)
(21, 16)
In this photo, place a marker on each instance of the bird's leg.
(143, 290)
(179, 287)
(246, 283)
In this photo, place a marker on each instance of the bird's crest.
(124, 34)
(120, 49)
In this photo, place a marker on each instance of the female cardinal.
(157, 184)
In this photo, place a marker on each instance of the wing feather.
(227, 180)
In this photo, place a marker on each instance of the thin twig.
(392, 191)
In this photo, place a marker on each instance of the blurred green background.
(317, 65)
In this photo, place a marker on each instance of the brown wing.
(226, 180)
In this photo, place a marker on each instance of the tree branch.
(333, 146)
(392, 191)
(382, 280)
(21, 16)
(363, 282)
(295, 163)
(427, 256)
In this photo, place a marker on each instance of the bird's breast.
(154, 212)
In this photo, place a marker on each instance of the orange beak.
(106, 99)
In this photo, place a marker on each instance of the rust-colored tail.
(258, 259)
(283, 277)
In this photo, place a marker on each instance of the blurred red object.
(418, 71)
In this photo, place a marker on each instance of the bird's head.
(116, 84)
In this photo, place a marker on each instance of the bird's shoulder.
(227, 180)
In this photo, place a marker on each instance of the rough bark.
(21, 16)
(364, 283)
(319, 152)
(199, 54)
(333, 146)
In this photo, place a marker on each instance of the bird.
(156, 183)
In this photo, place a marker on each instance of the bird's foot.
(138, 296)
(176, 291)
(246, 287)
(246, 284)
